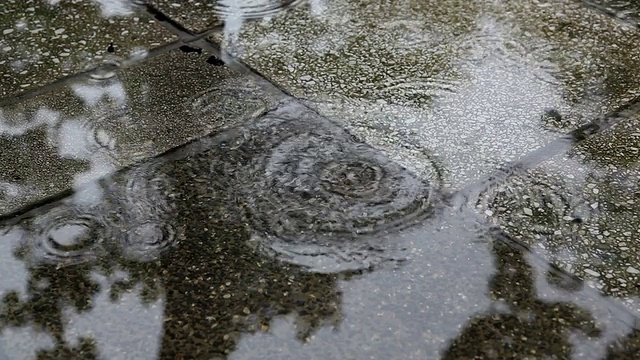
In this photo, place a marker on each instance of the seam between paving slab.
(464, 195)
(186, 37)
(29, 94)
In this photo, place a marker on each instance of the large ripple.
(320, 198)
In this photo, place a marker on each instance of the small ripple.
(252, 9)
(63, 236)
(147, 240)
(81, 139)
(107, 71)
(401, 91)
(141, 209)
(494, 39)
(355, 190)
(228, 101)
(538, 207)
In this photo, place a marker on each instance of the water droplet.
(105, 71)
(252, 9)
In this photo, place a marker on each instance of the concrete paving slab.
(475, 84)
(580, 209)
(198, 16)
(287, 237)
(92, 127)
(44, 40)
(166, 266)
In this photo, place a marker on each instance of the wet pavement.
(291, 179)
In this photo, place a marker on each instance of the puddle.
(286, 235)
(334, 230)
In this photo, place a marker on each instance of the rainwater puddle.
(127, 221)
(314, 195)
(286, 235)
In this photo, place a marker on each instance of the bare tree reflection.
(521, 325)
(215, 287)
(49, 291)
(627, 348)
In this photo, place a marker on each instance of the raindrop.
(252, 9)
(322, 200)
(106, 71)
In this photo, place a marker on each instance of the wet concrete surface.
(43, 41)
(580, 209)
(470, 83)
(95, 125)
(450, 181)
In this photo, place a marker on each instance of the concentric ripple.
(63, 236)
(252, 9)
(323, 200)
(143, 209)
(80, 139)
(537, 207)
(147, 240)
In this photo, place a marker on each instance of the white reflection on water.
(111, 8)
(17, 125)
(126, 328)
